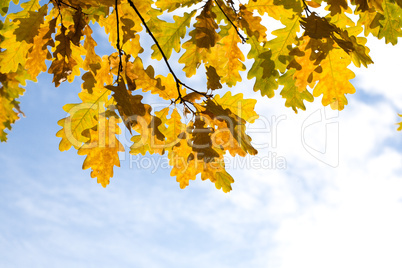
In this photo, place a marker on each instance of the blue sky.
(307, 214)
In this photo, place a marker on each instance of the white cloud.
(383, 77)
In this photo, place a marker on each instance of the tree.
(309, 57)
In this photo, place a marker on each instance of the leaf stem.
(232, 5)
(120, 69)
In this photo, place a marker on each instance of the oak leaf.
(334, 79)
(102, 150)
(294, 98)
(169, 35)
(193, 124)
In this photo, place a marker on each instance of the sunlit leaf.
(146, 82)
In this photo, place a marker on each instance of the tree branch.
(232, 5)
(178, 82)
(118, 41)
(61, 2)
(75, 8)
(308, 12)
(243, 39)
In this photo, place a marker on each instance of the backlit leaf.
(170, 34)
(85, 115)
(391, 23)
(39, 52)
(10, 91)
(162, 110)
(102, 150)
(227, 58)
(334, 79)
(294, 98)
(263, 69)
(243, 108)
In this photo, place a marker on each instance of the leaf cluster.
(308, 57)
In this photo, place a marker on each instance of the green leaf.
(283, 43)
(243, 108)
(263, 69)
(169, 35)
(391, 23)
(294, 98)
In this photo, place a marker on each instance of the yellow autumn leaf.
(193, 123)
(252, 24)
(85, 115)
(171, 127)
(10, 90)
(39, 53)
(102, 150)
(294, 98)
(227, 58)
(334, 79)
(243, 108)
(308, 56)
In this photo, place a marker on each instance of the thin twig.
(188, 107)
(232, 6)
(73, 7)
(308, 12)
(178, 82)
(118, 41)
(243, 39)
(61, 2)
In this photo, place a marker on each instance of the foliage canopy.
(308, 57)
